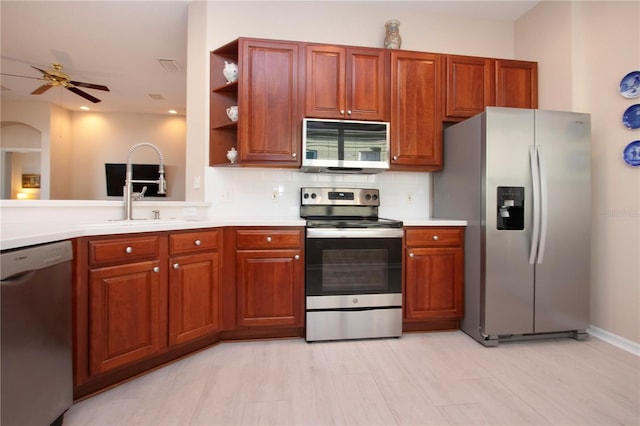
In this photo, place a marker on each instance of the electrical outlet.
(409, 197)
(226, 196)
(196, 182)
(274, 195)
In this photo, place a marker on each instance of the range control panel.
(340, 196)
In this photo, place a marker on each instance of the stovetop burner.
(343, 208)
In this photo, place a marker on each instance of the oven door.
(362, 261)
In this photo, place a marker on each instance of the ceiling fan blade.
(41, 70)
(90, 85)
(83, 94)
(22, 76)
(40, 90)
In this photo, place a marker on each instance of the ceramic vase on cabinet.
(230, 72)
(232, 155)
(392, 39)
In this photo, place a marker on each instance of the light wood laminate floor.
(419, 379)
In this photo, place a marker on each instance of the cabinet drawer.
(268, 239)
(123, 249)
(187, 242)
(431, 236)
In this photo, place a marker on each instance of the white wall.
(100, 138)
(583, 52)
(238, 191)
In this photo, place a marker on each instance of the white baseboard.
(615, 340)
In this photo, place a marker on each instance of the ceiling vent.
(156, 96)
(169, 65)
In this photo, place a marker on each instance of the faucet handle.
(139, 195)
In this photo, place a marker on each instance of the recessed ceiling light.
(85, 108)
(172, 111)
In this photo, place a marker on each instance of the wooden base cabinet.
(270, 277)
(434, 274)
(194, 286)
(140, 301)
(127, 322)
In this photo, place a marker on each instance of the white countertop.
(22, 234)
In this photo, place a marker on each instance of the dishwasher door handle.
(18, 279)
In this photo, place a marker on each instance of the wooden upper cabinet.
(269, 115)
(470, 86)
(516, 84)
(416, 111)
(345, 82)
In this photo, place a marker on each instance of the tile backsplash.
(275, 193)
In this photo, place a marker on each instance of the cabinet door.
(366, 84)
(470, 86)
(270, 288)
(126, 315)
(345, 82)
(325, 87)
(416, 111)
(194, 294)
(434, 283)
(269, 113)
(516, 84)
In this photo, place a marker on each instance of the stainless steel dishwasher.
(35, 322)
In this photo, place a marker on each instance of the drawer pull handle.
(435, 238)
(296, 257)
(197, 242)
(411, 255)
(156, 269)
(268, 239)
(176, 266)
(129, 249)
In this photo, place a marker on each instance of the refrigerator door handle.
(535, 180)
(544, 208)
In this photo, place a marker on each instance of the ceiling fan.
(55, 77)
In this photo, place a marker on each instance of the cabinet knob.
(435, 238)
(176, 266)
(129, 249)
(294, 155)
(348, 112)
(197, 242)
(156, 269)
(411, 255)
(268, 239)
(341, 111)
(296, 257)
(395, 157)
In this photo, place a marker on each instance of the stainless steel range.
(353, 265)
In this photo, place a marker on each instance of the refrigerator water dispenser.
(510, 208)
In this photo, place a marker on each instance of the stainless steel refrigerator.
(521, 178)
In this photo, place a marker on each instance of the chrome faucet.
(128, 193)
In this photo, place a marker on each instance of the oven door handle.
(355, 233)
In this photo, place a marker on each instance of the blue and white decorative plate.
(631, 117)
(630, 85)
(631, 154)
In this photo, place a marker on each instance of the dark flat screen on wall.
(115, 173)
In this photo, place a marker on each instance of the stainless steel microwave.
(344, 146)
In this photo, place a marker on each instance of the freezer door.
(562, 274)
(508, 277)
